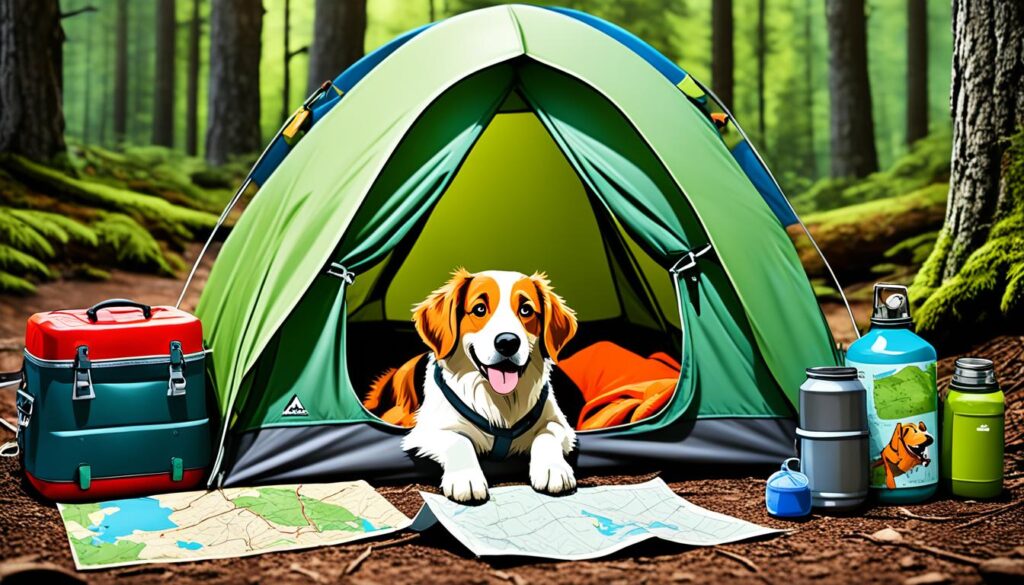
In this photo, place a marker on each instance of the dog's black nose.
(507, 344)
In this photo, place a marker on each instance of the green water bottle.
(972, 431)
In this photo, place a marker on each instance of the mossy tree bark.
(31, 113)
(722, 57)
(988, 106)
(853, 130)
(975, 274)
(233, 117)
(338, 34)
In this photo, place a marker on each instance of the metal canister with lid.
(833, 437)
(972, 431)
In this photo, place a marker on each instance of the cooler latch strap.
(83, 389)
(176, 371)
(84, 476)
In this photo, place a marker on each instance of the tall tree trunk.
(121, 72)
(233, 117)
(286, 91)
(811, 161)
(762, 55)
(988, 106)
(192, 83)
(853, 131)
(163, 100)
(917, 70)
(105, 102)
(31, 114)
(722, 51)
(87, 75)
(338, 34)
(431, 11)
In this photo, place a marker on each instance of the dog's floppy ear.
(437, 318)
(897, 435)
(559, 320)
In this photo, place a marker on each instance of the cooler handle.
(147, 311)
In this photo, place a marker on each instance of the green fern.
(12, 284)
(56, 227)
(22, 236)
(18, 262)
(130, 243)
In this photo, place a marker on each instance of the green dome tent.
(517, 138)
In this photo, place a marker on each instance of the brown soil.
(945, 536)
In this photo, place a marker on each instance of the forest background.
(852, 103)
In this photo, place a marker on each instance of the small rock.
(932, 578)
(510, 577)
(681, 577)
(908, 562)
(887, 534)
(817, 572)
(1002, 569)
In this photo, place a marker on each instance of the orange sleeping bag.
(620, 386)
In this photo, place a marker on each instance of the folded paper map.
(235, 522)
(591, 523)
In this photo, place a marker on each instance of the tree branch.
(78, 11)
(297, 52)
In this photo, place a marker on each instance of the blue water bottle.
(898, 370)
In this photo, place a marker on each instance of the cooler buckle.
(83, 389)
(176, 371)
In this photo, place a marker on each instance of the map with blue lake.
(591, 523)
(234, 522)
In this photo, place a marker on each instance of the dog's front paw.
(552, 477)
(464, 486)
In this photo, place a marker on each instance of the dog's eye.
(526, 310)
(480, 310)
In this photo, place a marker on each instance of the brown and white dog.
(493, 338)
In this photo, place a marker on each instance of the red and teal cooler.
(113, 402)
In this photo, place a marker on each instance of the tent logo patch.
(294, 408)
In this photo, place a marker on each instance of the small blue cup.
(788, 493)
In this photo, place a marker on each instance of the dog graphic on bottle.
(902, 415)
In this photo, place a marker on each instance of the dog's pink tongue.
(502, 382)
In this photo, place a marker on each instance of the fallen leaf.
(887, 534)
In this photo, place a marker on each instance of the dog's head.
(499, 320)
(913, 438)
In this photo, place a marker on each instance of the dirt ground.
(944, 540)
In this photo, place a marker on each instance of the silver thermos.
(833, 437)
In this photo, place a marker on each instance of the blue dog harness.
(503, 437)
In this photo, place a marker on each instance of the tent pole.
(832, 274)
(241, 191)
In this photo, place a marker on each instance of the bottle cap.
(893, 310)
(973, 374)
(832, 373)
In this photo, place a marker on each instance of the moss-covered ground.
(133, 210)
